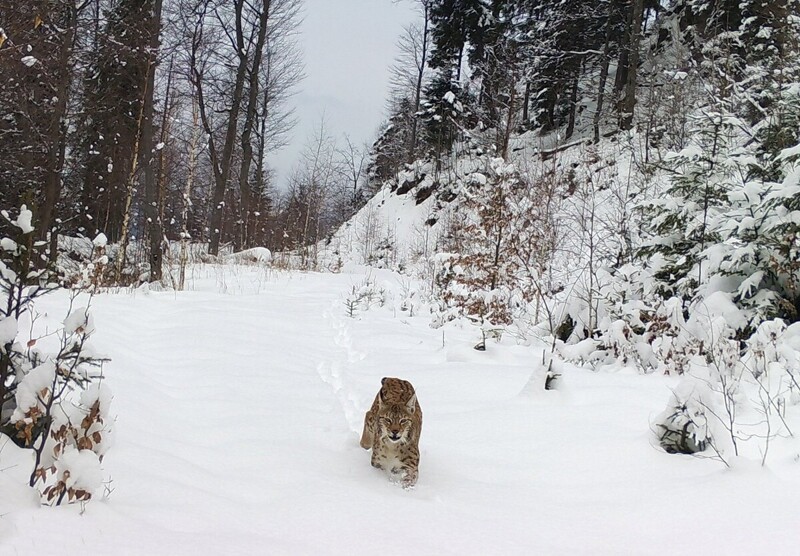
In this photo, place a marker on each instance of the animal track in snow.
(334, 372)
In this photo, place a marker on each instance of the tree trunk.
(629, 102)
(573, 104)
(164, 135)
(623, 61)
(249, 122)
(601, 88)
(129, 185)
(221, 162)
(526, 119)
(58, 137)
(261, 185)
(509, 122)
(151, 182)
(194, 142)
(459, 62)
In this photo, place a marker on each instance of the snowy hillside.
(238, 409)
(579, 206)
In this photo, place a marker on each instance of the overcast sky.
(348, 46)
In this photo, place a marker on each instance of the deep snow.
(239, 408)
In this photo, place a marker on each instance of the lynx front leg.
(410, 476)
(408, 468)
(368, 435)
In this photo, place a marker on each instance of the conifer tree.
(760, 228)
(731, 208)
(682, 222)
(454, 23)
(446, 114)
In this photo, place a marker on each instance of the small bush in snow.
(411, 297)
(20, 283)
(53, 400)
(83, 263)
(364, 296)
(682, 428)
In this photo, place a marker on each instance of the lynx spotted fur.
(392, 427)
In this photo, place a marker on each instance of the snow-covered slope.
(397, 226)
(582, 198)
(239, 406)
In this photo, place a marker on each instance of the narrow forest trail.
(239, 406)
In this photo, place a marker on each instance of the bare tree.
(251, 110)
(409, 70)
(221, 151)
(312, 186)
(243, 82)
(352, 165)
(192, 147)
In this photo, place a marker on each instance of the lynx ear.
(411, 404)
(383, 380)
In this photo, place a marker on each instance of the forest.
(576, 188)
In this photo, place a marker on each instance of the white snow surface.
(84, 469)
(23, 221)
(239, 406)
(79, 320)
(8, 330)
(100, 240)
(253, 255)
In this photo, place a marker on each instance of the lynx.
(392, 427)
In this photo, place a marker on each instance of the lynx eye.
(385, 421)
(405, 421)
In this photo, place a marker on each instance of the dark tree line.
(510, 66)
(152, 120)
(146, 120)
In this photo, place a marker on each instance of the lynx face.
(395, 422)
(392, 427)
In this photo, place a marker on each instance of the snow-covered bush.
(363, 296)
(253, 256)
(53, 399)
(702, 410)
(683, 428)
(728, 220)
(20, 283)
(733, 399)
(681, 222)
(94, 272)
(496, 251)
(411, 297)
(760, 258)
(80, 435)
(85, 263)
(774, 349)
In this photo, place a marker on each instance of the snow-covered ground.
(239, 407)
